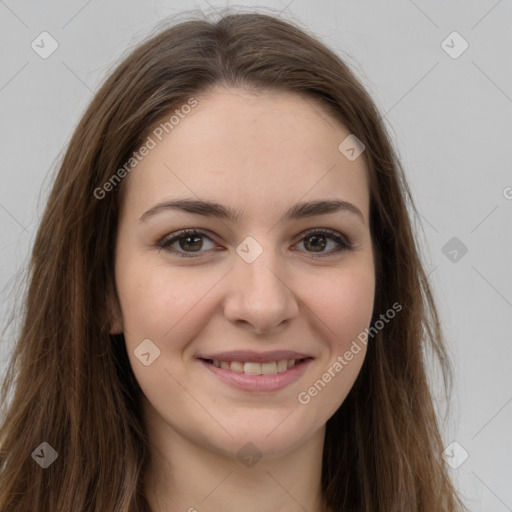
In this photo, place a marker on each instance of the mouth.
(257, 377)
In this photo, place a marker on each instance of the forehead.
(260, 151)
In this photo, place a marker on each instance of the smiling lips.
(253, 371)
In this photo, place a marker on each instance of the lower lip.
(259, 382)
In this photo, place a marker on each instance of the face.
(257, 284)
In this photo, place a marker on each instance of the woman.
(226, 305)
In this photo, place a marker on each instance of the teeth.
(269, 368)
(251, 368)
(237, 366)
(282, 365)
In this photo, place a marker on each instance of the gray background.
(451, 120)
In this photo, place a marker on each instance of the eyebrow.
(213, 209)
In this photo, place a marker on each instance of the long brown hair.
(70, 383)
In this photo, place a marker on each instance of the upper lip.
(255, 357)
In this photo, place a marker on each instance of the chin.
(270, 439)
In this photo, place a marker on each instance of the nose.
(260, 295)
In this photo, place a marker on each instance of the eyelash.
(168, 240)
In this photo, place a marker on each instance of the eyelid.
(344, 243)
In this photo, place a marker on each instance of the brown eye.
(189, 241)
(316, 241)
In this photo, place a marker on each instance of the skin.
(258, 153)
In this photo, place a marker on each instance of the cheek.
(344, 303)
(344, 306)
(159, 301)
(166, 304)
(162, 304)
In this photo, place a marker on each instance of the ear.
(114, 313)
